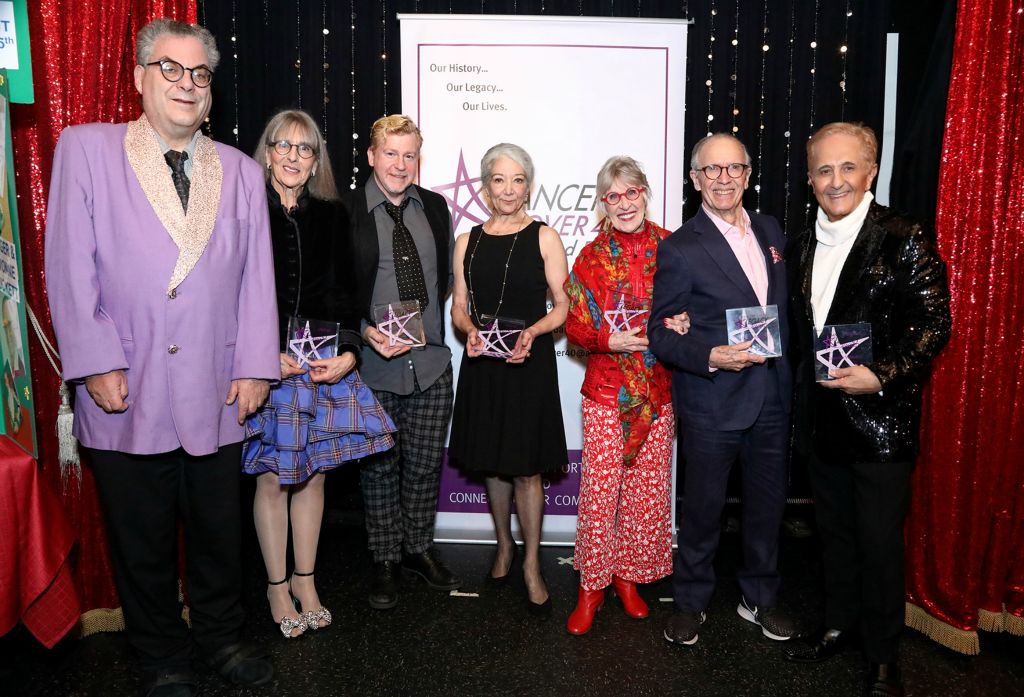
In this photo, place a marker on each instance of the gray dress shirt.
(190, 149)
(418, 367)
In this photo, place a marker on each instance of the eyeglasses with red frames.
(631, 194)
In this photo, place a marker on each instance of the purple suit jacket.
(109, 260)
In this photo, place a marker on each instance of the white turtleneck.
(835, 239)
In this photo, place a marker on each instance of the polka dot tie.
(176, 160)
(408, 269)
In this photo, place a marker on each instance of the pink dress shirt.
(748, 252)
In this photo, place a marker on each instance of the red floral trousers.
(624, 525)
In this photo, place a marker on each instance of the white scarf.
(835, 239)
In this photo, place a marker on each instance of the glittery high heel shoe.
(313, 618)
(286, 624)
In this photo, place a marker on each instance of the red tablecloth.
(35, 540)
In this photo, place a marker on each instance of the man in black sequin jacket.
(859, 430)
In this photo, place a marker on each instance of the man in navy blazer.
(732, 403)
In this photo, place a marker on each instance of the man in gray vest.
(403, 241)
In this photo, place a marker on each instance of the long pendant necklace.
(504, 278)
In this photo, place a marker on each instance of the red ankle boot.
(632, 602)
(582, 617)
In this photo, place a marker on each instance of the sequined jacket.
(894, 279)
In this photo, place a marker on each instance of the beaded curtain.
(83, 52)
(769, 71)
(965, 534)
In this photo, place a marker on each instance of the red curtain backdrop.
(965, 534)
(966, 529)
(83, 52)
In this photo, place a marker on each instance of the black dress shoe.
(818, 647)
(167, 683)
(243, 663)
(428, 566)
(883, 680)
(384, 585)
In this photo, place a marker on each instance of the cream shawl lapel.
(191, 233)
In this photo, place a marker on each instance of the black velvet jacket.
(894, 279)
(313, 266)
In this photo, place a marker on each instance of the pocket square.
(776, 256)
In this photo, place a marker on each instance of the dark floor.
(437, 644)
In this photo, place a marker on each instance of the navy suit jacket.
(699, 273)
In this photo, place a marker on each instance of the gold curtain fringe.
(105, 619)
(102, 619)
(1012, 623)
(935, 629)
(991, 621)
(1003, 621)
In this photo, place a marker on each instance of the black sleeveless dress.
(508, 418)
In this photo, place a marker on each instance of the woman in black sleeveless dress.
(507, 421)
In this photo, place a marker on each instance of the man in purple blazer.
(161, 287)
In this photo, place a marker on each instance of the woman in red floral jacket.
(624, 528)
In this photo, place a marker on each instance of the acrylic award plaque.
(401, 323)
(759, 325)
(499, 335)
(312, 339)
(624, 312)
(841, 346)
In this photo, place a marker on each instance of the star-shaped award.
(394, 327)
(620, 318)
(307, 347)
(758, 332)
(497, 339)
(833, 346)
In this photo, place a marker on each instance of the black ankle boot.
(883, 680)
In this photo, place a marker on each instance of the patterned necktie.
(408, 269)
(176, 160)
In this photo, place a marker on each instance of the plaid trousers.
(400, 485)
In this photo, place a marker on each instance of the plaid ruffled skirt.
(307, 427)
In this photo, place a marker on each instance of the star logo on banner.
(833, 346)
(496, 340)
(757, 331)
(620, 319)
(395, 329)
(307, 347)
(463, 196)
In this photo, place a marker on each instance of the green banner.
(15, 52)
(16, 400)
